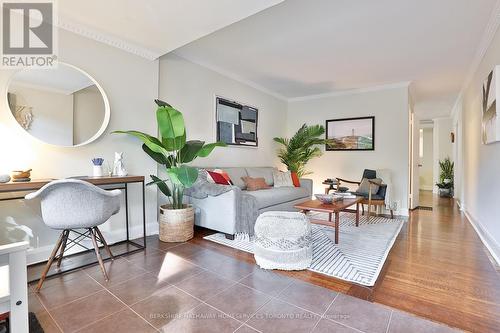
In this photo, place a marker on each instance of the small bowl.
(325, 198)
(17, 174)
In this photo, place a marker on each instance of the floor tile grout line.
(389, 322)
(214, 307)
(76, 299)
(126, 306)
(276, 298)
(48, 312)
(323, 315)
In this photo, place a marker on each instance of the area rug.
(357, 258)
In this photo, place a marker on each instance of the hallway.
(438, 269)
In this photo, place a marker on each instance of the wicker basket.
(176, 225)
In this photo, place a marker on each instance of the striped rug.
(357, 258)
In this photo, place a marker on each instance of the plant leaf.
(208, 148)
(159, 158)
(161, 185)
(190, 150)
(185, 175)
(172, 128)
(159, 102)
(150, 141)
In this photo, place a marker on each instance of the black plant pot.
(446, 192)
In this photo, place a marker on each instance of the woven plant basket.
(176, 225)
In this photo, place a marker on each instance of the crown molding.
(404, 84)
(85, 31)
(484, 45)
(238, 78)
(232, 76)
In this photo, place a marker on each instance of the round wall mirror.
(61, 106)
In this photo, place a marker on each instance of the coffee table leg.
(357, 214)
(336, 227)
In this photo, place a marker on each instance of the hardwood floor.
(437, 269)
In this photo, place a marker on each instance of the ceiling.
(154, 27)
(301, 48)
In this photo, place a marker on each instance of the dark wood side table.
(333, 208)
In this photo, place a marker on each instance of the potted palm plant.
(445, 184)
(173, 152)
(297, 151)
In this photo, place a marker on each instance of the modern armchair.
(370, 199)
(72, 204)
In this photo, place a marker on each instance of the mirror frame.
(107, 110)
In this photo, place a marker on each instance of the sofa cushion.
(255, 184)
(262, 172)
(278, 195)
(235, 174)
(282, 179)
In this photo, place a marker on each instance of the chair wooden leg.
(362, 209)
(103, 241)
(49, 262)
(98, 255)
(392, 214)
(63, 247)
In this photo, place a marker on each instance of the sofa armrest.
(308, 184)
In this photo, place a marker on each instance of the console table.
(110, 183)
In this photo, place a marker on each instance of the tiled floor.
(187, 288)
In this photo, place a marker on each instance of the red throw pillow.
(224, 174)
(295, 179)
(218, 178)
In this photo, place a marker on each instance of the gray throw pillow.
(364, 187)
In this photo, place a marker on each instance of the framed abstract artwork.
(490, 131)
(236, 123)
(351, 134)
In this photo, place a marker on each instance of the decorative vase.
(97, 171)
(176, 225)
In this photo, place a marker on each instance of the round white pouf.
(283, 241)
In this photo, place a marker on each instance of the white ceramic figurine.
(119, 167)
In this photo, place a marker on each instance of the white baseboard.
(426, 187)
(40, 254)
(489, 242)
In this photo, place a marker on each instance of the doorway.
(425, 164)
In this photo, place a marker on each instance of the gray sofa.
(220, 212)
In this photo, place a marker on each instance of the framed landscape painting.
(351, 134)
(490, 118)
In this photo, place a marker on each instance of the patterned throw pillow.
(255, 184)
(282, 179)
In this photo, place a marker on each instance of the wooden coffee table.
(333, 208)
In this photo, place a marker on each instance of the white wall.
(131, 84)
(426, 162)
(192, 88)
(481, 186)
(52, 113)
(390, 108)
(442, 145)
(88, 113)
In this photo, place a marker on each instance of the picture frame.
(236, 123)
(490, 118)
(351, 134)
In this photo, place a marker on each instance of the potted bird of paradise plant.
(174, 152)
